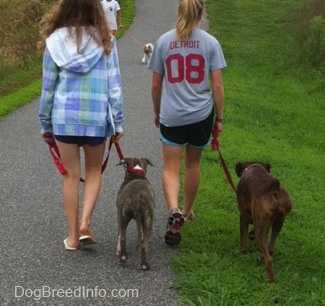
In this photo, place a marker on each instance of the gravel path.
(34, 266)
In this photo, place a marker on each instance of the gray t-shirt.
(186, 66)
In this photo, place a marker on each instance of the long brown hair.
(189, 14)
(77, 16)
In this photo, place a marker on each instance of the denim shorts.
(195, 134)
(81, 140)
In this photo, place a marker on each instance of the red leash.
(133, 38)
(215, 147)
(54, 150)
(118, 150)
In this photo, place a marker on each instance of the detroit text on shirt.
(184, 44)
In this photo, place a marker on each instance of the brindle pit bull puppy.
(135, 200)
(263, 202)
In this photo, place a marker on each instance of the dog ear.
(239, 169)
(147, 161)
(267, 167)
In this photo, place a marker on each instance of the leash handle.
(215, 141)
(117, 147)
(54, 150)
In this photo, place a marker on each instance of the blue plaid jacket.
(81, 91)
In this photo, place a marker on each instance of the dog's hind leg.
(276, 228)
(122, 240)
(261, 231)
(146, 230)
(243, 234)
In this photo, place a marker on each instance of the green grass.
(274, 112)
(19, 98)
(13, 79)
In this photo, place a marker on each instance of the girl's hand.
(156, 119)
(117, 137)
(48, 138)
(218, 126)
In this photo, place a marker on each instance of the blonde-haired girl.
(186, 109)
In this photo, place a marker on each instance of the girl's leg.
(70, 156)
(172, 156)
(192, 177)
(93, 167)
(172, 162)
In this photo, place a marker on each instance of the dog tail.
(275, 187)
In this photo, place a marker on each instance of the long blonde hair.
(189, 15)
(79, 15)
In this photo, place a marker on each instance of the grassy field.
(274, 112)
(19, 86)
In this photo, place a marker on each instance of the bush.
(315, 44)
(19, 29)
(20, 61)
(308, 33)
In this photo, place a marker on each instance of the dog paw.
(123, 258)
(144, 266)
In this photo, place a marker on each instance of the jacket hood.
(63, 50)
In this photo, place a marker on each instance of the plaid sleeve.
(115, 96)
(50, 77)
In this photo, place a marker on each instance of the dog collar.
(251, 166)
(136, 170)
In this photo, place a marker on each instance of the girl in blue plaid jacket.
(81, 102)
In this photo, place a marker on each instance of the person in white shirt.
(112, 11)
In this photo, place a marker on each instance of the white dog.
(147, 50)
